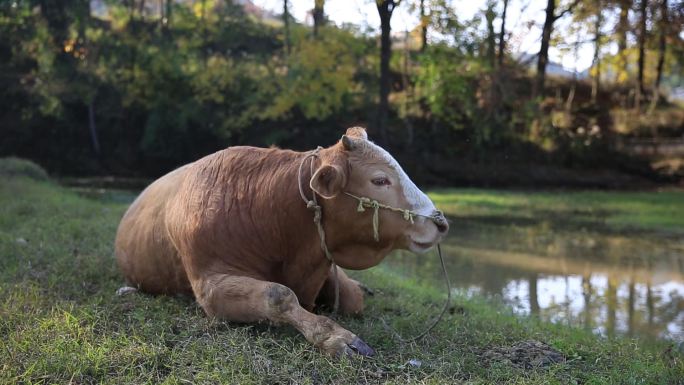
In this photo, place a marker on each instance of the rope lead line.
(444, 309)
(312, 204)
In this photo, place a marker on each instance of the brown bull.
(232, 229)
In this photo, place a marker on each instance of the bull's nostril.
(440, 221)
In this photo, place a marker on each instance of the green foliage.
(463, 93)
(164, 94)
(446, 86)
(123, 90)
(317, 78)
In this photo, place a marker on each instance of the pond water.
(584, 274)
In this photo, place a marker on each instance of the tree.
(642, 52)
(424, 20)
(543, 56)
(662, 47)
(573, 88)
(621, 30)
(502, 34)
(385, 9)
(167, 16)
(318, 16)
(490, 15)
(596, 62)
(286, 23)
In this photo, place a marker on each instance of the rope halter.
(312, 204)
(365, 202)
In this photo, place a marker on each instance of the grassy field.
(650, 210)
(61, 321)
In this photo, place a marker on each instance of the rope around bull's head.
(364, 202)
(408, 215)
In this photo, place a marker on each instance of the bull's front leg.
(244, 299)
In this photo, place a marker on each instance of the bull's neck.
(292, 218)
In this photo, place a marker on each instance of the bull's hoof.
(357, 346)
(339, 342)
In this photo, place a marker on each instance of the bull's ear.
(328, 181)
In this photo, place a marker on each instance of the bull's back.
(144, 252)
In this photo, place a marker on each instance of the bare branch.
(567, 10)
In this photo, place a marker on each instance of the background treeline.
(137, 87)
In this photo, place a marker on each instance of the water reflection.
(582, 274)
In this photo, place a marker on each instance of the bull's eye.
(381, 181)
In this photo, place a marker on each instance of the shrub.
(13, 167)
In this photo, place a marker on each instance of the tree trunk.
(573, 88)
(491, 35)
(161, 15)
(623, 25)
(642, 54)
(543, 57)
(662, 46)
(423, 26)
(597, 53)
(621, 30)
(318, 16)
(203, 21)
(141, 10)
(169, 7)
(55, 15)
(502, 34)
(286, 22)
(408, 91)
(92, 128)
(385, 9)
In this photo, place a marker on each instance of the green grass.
(61, 322)
(652, 210)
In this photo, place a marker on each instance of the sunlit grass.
(61, 322)
(662, 210)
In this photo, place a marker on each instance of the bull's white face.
(375, 174)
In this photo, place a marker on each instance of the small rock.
(22, 241)
(126, 290)
(415, 363)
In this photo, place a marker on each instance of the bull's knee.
(280, 299)
(352, 301)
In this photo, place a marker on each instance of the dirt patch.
(529, 354)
